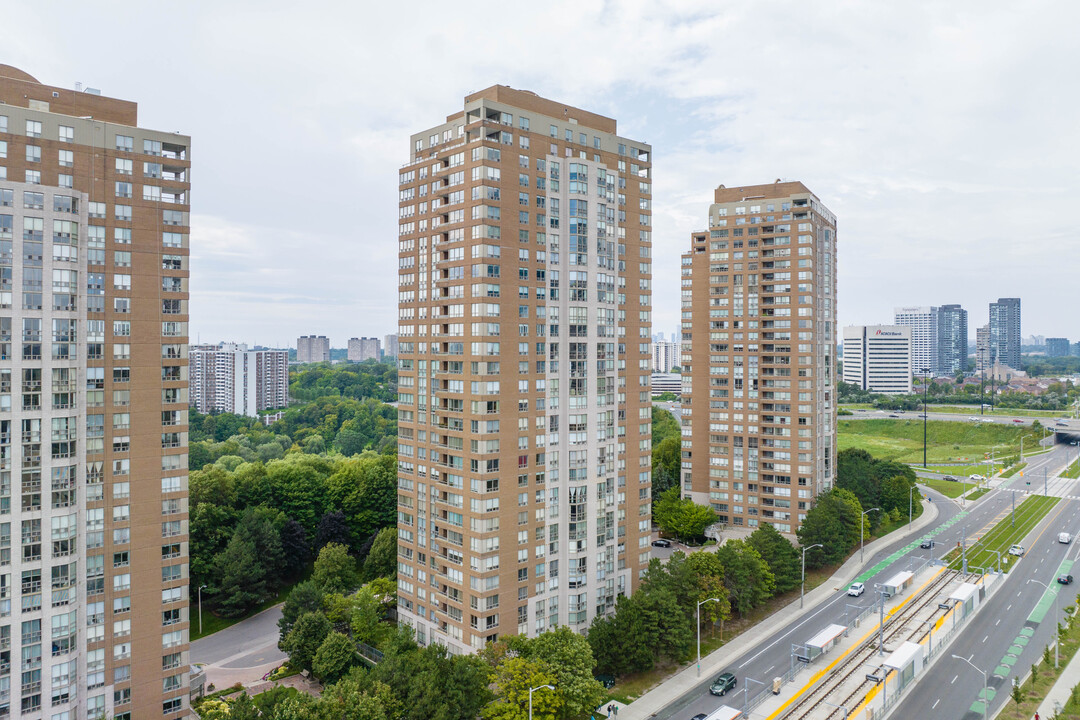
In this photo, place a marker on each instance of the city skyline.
(897, 137)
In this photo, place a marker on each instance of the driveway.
(241, 653)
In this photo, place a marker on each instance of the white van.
(1064, 538)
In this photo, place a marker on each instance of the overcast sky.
(945, 136)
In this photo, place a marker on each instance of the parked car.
(1064, 538)
(1017, 550)
(722, 684)
(1065, 579)
(661, 543)
(927, 544)
(856, 589)
(950, 478)
(1017, 420)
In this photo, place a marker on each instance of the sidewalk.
(1059, 693)
(687, 679)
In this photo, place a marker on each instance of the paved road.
(950, 689)
(772, 655)
(241, 652)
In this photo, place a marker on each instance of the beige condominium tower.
(759, 339)
(524, 331)
(93, 407)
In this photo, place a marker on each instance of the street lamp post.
(926, 372)
(862, 527)
(998, 553)
(699, 631)
(1056, 640)
(802, 585)
(986, 698)
(200, 609)
(531, 690)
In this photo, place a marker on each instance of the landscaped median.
(984, 552)
(948, 488)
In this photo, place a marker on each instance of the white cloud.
(944, 136)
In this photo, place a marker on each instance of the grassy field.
(959, 470)
(946, 488)
(1028, 514)
(902, 439)
(976, 494)
(1073, 471)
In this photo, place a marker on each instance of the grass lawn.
(973, 410)
(1013, 470)
(1073, 471)
(959, 470)
(212, 623)
(976, 494)
(902, 439)
(946, 488)
(1028, 514)
(1035, 690)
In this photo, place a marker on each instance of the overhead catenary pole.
(802, 585)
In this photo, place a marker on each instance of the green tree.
(336, 654)
(834, 523)
(335, 570)
(305, 597)
(512, 680)
(569, 659)
(367, 616)
(780, 555)
(382, 560)
(303, 641)
(357, 697)
(746, 575)
(622, 643)
(240, 578)
(682, 517)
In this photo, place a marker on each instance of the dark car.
(893, 415)
(950, 478)
(927, 544)
(1065, 579)
(661, 543)
(722, 684)
(699, 716)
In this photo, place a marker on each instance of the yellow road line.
(858, 644)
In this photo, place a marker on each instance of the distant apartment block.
(1057, 347)
(877, 358)
(923, 322)
(230, 378)
(759, 343)
(363, 348)
(390, 345)
(312, 348)
(984, 358)
(665, 355)
(952, 339)
(1005, 332)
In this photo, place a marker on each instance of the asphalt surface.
(950, 689)
(240, 652)
(772, 655)
(1051, 423)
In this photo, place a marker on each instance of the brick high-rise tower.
(93, 407)
(758, 354)
(524, 331)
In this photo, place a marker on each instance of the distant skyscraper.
(524, 407)
(759, 343)
(924, 323)
(878, 358)
(952, 339)
(94, 224)
(364, 348)
(1005, 332)
(390, 345)
(665, 355)
(312, 348)
(230, 378)
(984, 358)
(1057, 347)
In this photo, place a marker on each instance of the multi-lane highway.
(772, 655)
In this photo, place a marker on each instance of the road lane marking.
(984, 639)
(954, 679)
(935, 703)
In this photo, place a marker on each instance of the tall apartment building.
(364, 348)
(524, 326)
(312, 348)
(1005, 332)
(1057, 347)
(984, 358)
(925, 346)
(878, 358)
(759, 343)
(94, 239)
(390, 345)
(665, 355)
(952, 339)
(230, 378)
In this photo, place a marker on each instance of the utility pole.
(924, 386)
(963, 549)
(881, 622)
